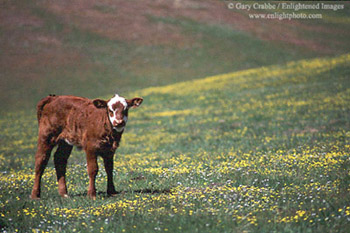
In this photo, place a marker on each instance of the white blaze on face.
(117, 99)
(112, 106)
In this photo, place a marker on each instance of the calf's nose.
(118, 122)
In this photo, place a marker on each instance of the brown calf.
(96, 126)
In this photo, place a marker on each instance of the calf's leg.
(42, 157)
(92, 169)
(108, 162)
(60, 158)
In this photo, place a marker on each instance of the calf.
(96, 126)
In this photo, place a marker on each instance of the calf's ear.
(134, 102)
(99, 103)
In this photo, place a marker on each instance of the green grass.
(262, 148)
(259, 150)
(90, 64)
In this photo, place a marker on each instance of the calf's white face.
(118, 107)
(118, 110)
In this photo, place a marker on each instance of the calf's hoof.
(34, 197)
(64, 195)
(112, 193)
(92, 197)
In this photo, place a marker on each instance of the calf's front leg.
(92, 169)
(108, 162)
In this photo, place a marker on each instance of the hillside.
(94, 48)
(263, 149)
(244, 127)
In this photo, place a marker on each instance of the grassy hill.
(259, 145)
(263, 149)
(97, 48)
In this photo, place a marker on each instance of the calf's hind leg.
(42, 157)
(60, 158)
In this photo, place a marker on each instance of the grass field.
(245, 125)
(56, 48)
(264, 149)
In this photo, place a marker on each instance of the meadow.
(258, 150)
(245, 125)
(50, 48)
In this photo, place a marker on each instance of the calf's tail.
(42, 103)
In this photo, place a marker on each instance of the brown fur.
(66, 121)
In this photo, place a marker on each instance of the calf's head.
(117, 109)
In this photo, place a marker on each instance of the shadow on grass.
(140, 191)
(3, 224)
